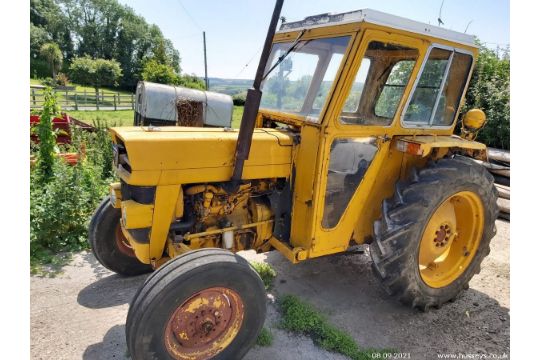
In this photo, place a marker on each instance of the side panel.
(304, 170)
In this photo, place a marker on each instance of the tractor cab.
(362, 90)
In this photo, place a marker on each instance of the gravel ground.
(81, 312)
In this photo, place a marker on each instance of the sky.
(236, 29)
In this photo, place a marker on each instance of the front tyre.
(435, 232)
(108, 243)
(207, 303)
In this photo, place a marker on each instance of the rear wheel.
(207, 303)
(108, 243)
(435, 232)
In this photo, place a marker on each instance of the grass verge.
(302, 318)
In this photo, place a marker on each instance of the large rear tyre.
(435, 232)
(108, 243)
(207, 303)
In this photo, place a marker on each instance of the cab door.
(357, 167)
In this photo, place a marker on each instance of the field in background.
(229, 86)
(125, 117)
(108, 118)
(88, 89)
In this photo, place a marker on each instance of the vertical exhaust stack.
(253, 101)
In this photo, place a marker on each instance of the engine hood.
(181, 155)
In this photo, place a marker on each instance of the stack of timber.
(499, 167)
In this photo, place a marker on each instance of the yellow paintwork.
(174, 157)
(474, 119)
(135, 215)
(163, 215)
(451, 239)
(182, 155)
(427, 143)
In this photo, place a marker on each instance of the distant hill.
(229, 86)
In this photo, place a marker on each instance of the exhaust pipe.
(253, 101)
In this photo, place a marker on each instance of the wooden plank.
(499, 154)
(503, 191)
(504, 205)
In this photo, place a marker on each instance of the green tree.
(155, 71)
(52, 53)
(51, 18)
(103, 29)
(95, 72)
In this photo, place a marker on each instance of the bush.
(165, 74)
(489, 90)
(49, 82)
(62, 79)
(39, 68)
(63, 197)
(60, 209)
(95, 72)
(239, 99)
(47, 138)
(160, 73)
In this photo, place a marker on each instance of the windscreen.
(300, 74)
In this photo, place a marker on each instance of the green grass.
(109, 118)
(237, 116)
(125, 117)
(265, 337)
(266, 272)
(302, 318)
(88, 89)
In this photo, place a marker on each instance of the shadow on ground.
(113, 346)
(344, 289)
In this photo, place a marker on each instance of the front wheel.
(435, 232)
(207, 303)
(108, 243)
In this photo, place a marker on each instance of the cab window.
(379, 85)
(437, 94)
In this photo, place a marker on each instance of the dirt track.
(81, 313)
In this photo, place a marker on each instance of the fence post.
(85, 98)
(132, 103)
(114, 99)
(34, 97)
(97, 100)
(76, 105)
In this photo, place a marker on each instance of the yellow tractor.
(346, 139)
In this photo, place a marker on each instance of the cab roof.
(379, 18)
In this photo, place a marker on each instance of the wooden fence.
(85, 100)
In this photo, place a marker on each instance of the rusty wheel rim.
(122, 243)
(205, 324)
